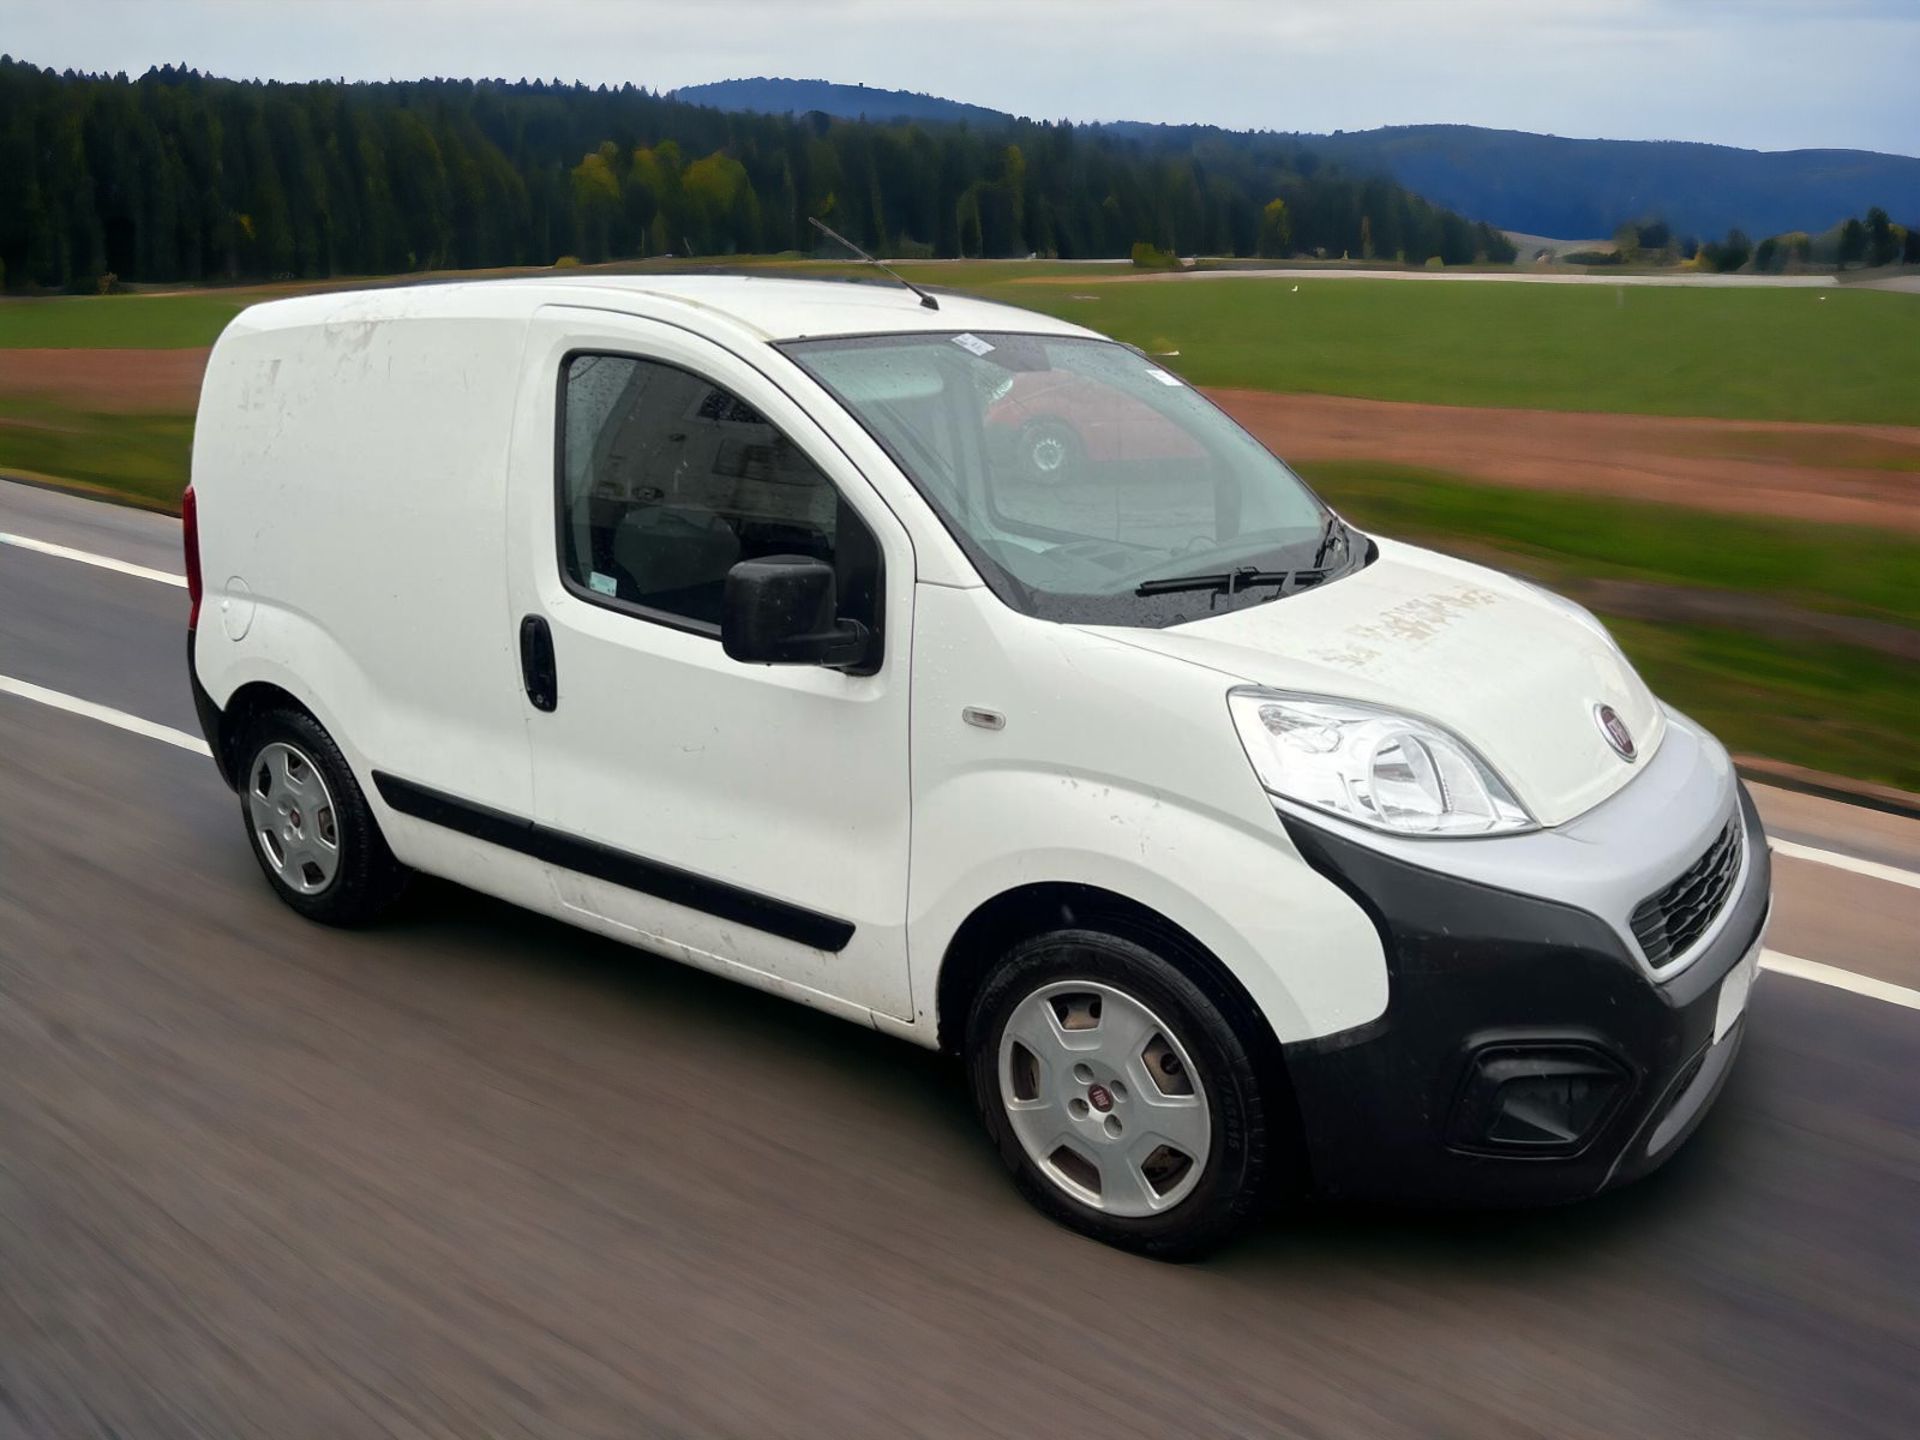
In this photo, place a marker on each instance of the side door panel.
(748, 818)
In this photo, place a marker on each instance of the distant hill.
(1536, 184)
(1549, 186)
(850, 102)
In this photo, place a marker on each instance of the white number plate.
(1733, 993)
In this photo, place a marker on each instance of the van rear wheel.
(309, 825)
(1123, 1102)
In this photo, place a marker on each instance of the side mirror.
(780, 610)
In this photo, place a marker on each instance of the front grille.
(1668, 924)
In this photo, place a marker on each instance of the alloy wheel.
(1104, 1098)
(293, 818)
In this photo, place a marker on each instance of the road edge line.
(1848, 980)
(88, 557)
(105, 714)
(1873, 869)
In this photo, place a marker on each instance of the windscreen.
(1086, 482)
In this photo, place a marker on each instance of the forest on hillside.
(180, 176)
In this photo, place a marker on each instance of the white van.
(967, 675)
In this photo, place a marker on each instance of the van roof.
(774, 308)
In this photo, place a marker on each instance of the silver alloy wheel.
(293, 818)
(1104, 1098)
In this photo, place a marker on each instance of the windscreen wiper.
(1336, 529)
(1227, 582)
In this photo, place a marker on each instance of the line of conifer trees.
(179, 176)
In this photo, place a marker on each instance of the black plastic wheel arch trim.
(211, 724)
(617, 867)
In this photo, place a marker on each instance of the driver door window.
(667, 481)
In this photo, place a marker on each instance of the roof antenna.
(827, 230)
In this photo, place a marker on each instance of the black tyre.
(1123, 1101)
(309, 825)
(1050, 452)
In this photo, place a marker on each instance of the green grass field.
(190, 319)
(1822, 567)
(1768, 354)
(144, 456)
(119, 322)
(1751, 354)
(1836, 708)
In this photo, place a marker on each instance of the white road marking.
(87, 557)
(1892, 874)
(1840, 979)
(105, 714)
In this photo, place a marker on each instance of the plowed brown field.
(1840, 474)
(139, 382)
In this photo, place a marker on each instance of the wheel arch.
(999, 923)
(1013, 915)
(243, 708)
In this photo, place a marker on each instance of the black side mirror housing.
(781, 610)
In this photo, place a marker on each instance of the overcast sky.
(1771, 74)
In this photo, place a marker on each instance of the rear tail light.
(190, 541)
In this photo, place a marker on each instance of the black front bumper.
(1481, 981)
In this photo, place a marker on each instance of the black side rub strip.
(603, 862)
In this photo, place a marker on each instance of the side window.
(667, 481)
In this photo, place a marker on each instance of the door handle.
(536, 663)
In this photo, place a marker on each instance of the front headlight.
(1377, 767)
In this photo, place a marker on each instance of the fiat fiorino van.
(968, 675)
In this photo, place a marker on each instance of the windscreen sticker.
(1165, 379)
(972, 344)
(603, 584)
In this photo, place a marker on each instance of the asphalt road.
(477, 1174)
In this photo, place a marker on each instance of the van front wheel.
(1121, 1099)
(309, 825)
